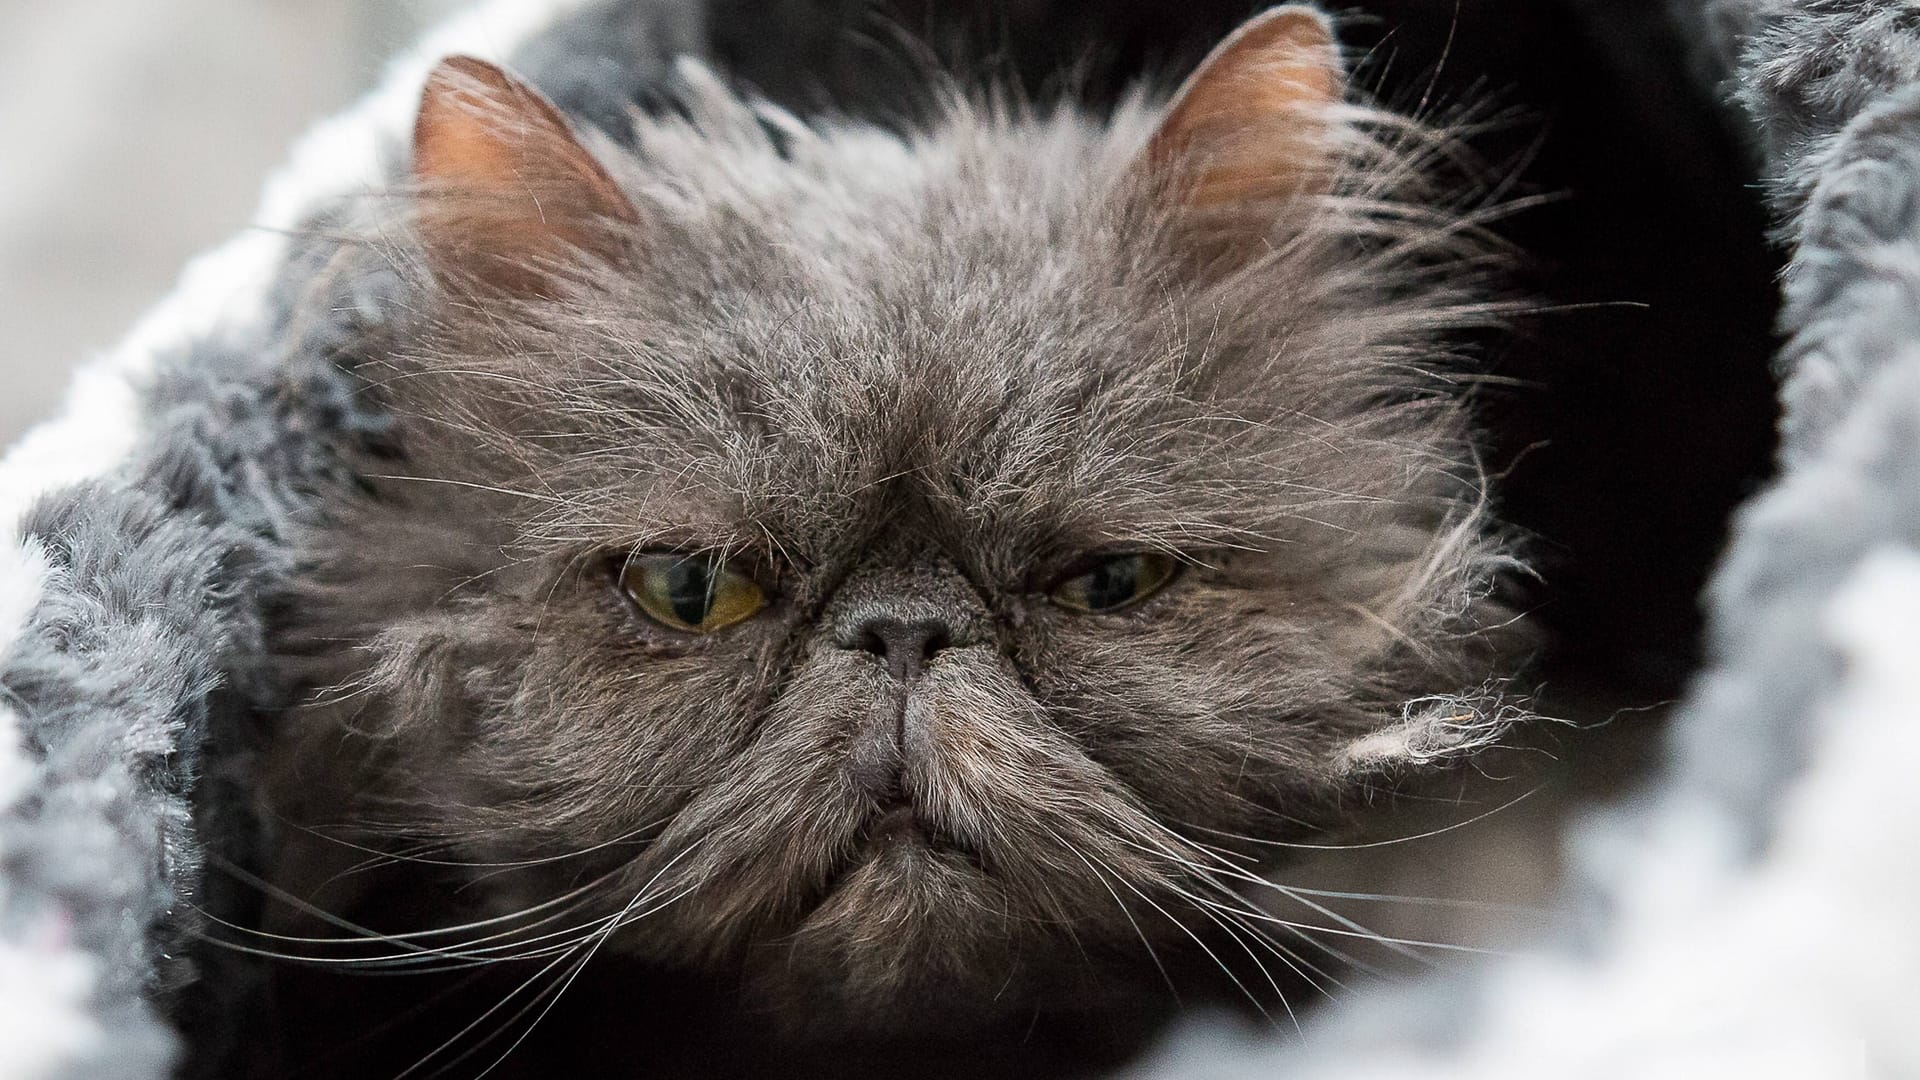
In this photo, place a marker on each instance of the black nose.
(906, 645)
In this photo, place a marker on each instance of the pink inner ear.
(1253, 122)
(507, 191)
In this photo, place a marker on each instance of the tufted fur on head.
(914, 381)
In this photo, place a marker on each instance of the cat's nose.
(907, 645)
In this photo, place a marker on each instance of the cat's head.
(895, 564)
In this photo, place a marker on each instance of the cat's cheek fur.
(526, 763)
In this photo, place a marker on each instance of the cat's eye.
(1115, 582)
(697, 593)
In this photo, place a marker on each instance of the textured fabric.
(141, 540)
(142, 532)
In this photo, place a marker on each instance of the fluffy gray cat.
(916, 581)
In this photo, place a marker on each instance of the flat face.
(897, 569)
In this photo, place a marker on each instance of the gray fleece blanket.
(1750, 914)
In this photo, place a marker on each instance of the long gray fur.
(138, 675)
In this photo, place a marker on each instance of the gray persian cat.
(911, 581)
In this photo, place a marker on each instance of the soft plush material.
(1748, 913)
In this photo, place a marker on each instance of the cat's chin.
(913, 917)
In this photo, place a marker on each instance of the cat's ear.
(1256, 123)
(506, 191)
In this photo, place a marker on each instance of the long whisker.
(627, 837)
(591, 943)
(1228, 971)
(424, 960)
(1308, 971)
(1238, 910)
(1428, 901)
(579, 934)
(578, 967)
(418, 954)
(1279, 994)
(1124, 910)
(477, 1021)
(1236, 907)
(413, 953)
(1349, 926)
(1482, 816)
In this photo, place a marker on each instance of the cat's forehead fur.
(988, 331)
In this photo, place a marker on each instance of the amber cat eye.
(1115, 582)
(696, 593)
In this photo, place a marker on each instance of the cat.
(909, 580)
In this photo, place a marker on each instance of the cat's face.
(892, 567)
